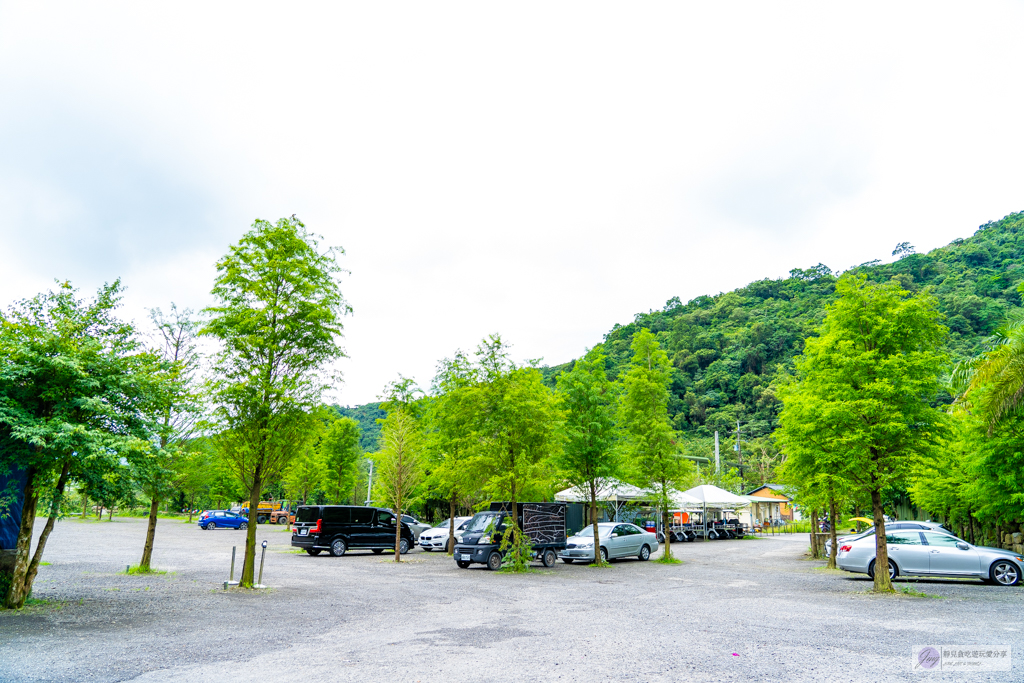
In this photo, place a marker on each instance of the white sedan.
(617, 540)
(437, 537)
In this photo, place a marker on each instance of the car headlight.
(484, 539)
(585, 546)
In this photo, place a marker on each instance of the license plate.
(303, 532)
(466, 558)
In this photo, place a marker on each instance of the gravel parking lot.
(754, 610)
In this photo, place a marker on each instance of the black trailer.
(543, 524)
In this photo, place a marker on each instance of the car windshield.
(482, 521)
(442, 525)
(589, 531)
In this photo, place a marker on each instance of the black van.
(339, 528)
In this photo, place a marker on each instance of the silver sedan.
(931, 553)
(617, 540)
(889, 526)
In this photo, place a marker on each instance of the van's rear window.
(308, 514)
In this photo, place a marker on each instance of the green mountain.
(366, 415)
(727, 349)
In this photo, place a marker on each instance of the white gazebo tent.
(612, 491)
(715, 498)
(615, 491)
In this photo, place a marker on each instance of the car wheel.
(338, 547)
(403, 546)
(567, 560)
(313, 551)
(549, 558)
(282, 520)
(494, 561)
(462, 565)
(243, 526)
(893, 572)
(261, 520)
(211, 525)
(378, 551)
(604, 554)
(645, 553)
(1005, 573)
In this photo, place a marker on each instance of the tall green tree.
(588, 458)
(76, 390)
(453, 441)
(400, 459)
(178, 409)
(872, 374)
(278, 320)
(656, 461)
(340, 454)
(519, 431)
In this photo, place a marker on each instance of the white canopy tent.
(715, 498)
(615, 491)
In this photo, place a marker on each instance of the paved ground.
(735, 611)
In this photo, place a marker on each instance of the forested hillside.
(727, 349)
(366, 415)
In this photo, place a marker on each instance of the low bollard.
(231, 576)
(263, 555)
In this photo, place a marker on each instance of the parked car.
(617, 540)
(437, 537)
(415, 526)
(543, 524)
(222, 519)
(338, 528)
(933, 553)
(889, 526)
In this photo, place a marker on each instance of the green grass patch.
(914, 593)
(135, 569)
(45, 564)
(665, 559)
(603, 565)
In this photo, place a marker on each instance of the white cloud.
(540, 170)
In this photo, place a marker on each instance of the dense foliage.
(728, 351)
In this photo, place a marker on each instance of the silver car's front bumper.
(577, 554)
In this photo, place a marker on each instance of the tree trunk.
(882, 582)
(37, 557)
(815, 529)
(110, 517)
(249, 562)
(16, 593)
(147, 550)
(593, 521)
(451, 525)
(970, 525)
(398, 529)
(668, 535)
(85, 504)
(832, 533)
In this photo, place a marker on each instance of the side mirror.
(963, 546)
(614, 535)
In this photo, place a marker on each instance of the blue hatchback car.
(222, 519)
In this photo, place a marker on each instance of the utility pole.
(718, 462)
(369, 486)
(739, 457)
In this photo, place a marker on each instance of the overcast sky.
(542, 170)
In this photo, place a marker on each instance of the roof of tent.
(612, 491)
(620, 492)
(712, 496)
